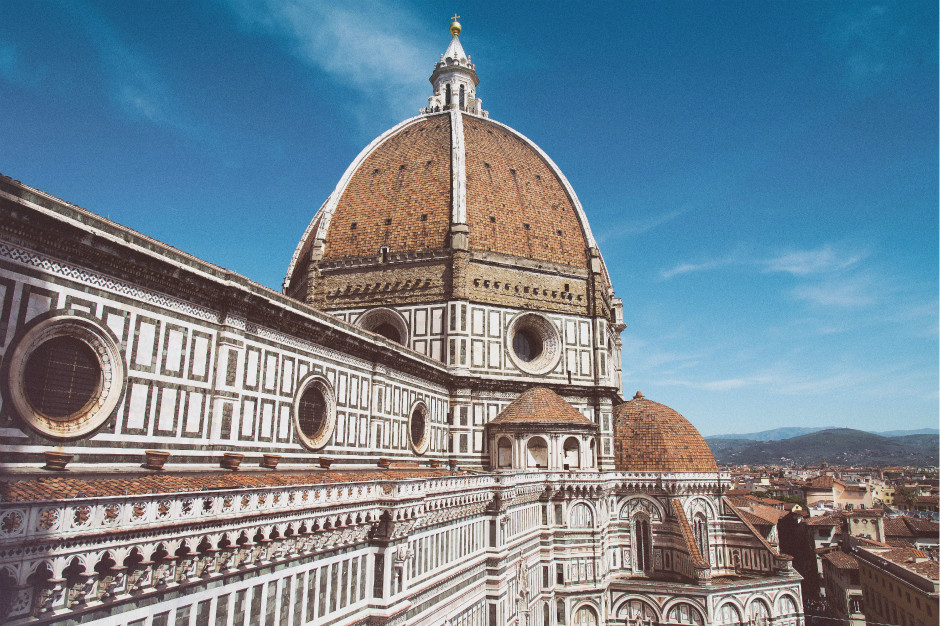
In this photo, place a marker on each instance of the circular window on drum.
(314, 411)
(66, 376)
(418, 427)
(534, 344)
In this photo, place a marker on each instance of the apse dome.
(651, 437)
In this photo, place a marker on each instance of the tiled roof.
(60, 487)
(649, 436)
(754, 520)
(768, 513)
(841, 560)
(406, 177)
(927, 569)
(911, 527)
(897, 528)
(540, 405)
(516, 203)
(695, 555)
(824, 520)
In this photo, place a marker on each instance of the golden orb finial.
(455, 25)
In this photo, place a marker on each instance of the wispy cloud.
(725, 384)
(135, 85)
(640, 226)
(805, 262)
(851, 292)
(867, 39)
(688, 268)
(383, 65)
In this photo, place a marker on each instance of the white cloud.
(804, 262)
(136, 86)
(640, 226)
(688, 268)
(850, 293)
(376, 48)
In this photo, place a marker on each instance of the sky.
(762, 177)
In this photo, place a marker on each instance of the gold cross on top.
(456, 17)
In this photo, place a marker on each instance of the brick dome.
(440, 173)
(651, 437)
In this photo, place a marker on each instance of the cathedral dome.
(651, 437)
(441, 173)
(450, 179)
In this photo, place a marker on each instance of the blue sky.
(762, 176)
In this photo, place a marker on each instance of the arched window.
(637, 612)
(447, 94)
(700, 531)
(730, 616)
(787, 606)
(536, 453)
(504, 452)
(684, 613)
(461, 97)
(580, 516)
(585, 616)
(758, 614)
(572, 449)
(642, 544)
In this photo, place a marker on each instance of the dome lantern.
(455, 79)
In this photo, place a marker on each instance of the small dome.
(540, 405)
(651, 437)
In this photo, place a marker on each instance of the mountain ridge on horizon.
(788, 432)
(838, 446)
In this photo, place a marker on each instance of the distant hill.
(838, 446)
(919, 431)
(775, 434)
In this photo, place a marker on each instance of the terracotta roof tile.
(841, 560)
(824, 520)
(649, 436)
(404, 178)
(64, 487)
(540, 405)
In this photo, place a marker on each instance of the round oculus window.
(314, 411)
(418, 427)
(63, 378)
(534, 344)
(66, 376)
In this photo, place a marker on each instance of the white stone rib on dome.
(458, 166)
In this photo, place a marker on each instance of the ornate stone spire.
(455, 79)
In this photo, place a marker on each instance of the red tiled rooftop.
(540, 405)
(60, 487)
(841, 560)
(649, 436)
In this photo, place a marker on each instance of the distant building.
(843, 495)
(900, 586)
(843, 591)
